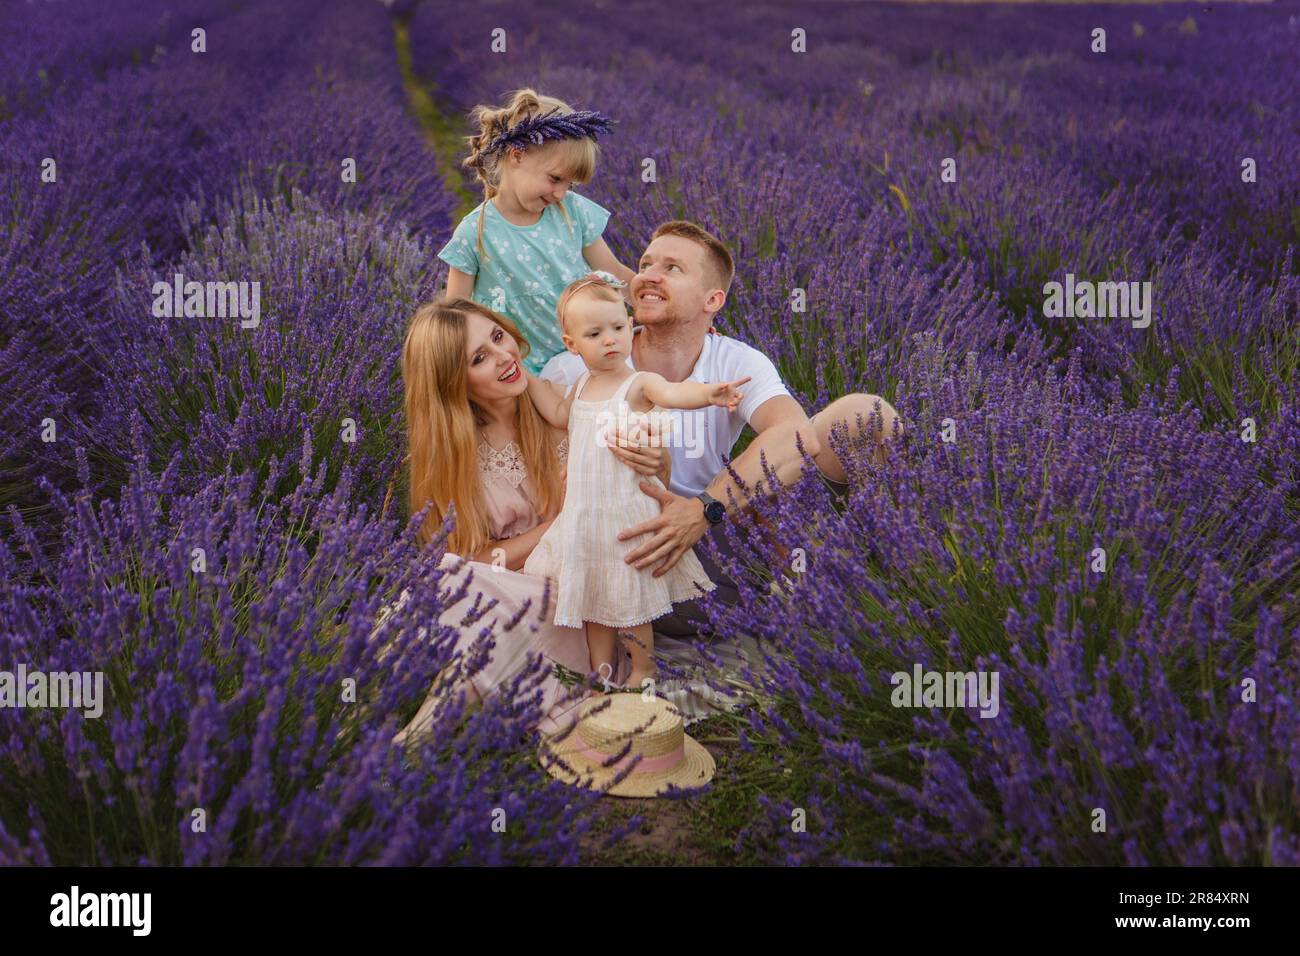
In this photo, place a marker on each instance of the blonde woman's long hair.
(442, 427)
(578, 155)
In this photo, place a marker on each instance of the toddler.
(596, 589)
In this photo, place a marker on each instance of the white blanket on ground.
(726, 689)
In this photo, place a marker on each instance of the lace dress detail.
(507, 464)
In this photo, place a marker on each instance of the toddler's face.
(538, 177)
(599, 331)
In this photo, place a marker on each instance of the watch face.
(714, 511)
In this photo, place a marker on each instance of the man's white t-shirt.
(700, 436)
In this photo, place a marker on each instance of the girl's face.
(599, 331)
(492, 361)
(537, 177)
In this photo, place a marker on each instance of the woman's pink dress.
(510, 501)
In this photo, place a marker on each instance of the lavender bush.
(325, 355)
(228, 733)
(49, 54)
(1121, 689)
(130, 205)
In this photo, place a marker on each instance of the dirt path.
(443, 132)
(670, 833)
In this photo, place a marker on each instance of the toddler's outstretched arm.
(668, 394)
(547, 399)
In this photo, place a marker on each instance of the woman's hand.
(514, 552)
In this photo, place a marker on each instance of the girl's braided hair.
(530, 119)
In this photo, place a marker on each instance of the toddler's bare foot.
(637, 676)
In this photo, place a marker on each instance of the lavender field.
(1103, 509)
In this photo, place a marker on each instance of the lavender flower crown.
(536, 130)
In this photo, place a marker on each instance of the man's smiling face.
(673, 281)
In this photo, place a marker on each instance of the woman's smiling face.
(493, 369)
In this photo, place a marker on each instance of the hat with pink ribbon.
(628, 730)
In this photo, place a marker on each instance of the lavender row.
(52, 49)
(906, 81)
(289, 100)
(1065, 165)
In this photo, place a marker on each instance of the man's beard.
(668, 315)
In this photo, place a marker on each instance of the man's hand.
(680, 524)
(647, 459)
(644, 460)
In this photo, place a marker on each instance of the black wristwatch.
(713, 509)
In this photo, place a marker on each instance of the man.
(682, 281)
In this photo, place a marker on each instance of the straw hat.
(604, 726)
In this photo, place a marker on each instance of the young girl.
(527, 240)
(596, 587)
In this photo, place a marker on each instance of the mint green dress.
(527, 267)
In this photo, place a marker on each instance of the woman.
(477, 442)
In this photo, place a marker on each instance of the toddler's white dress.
(581, 550)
